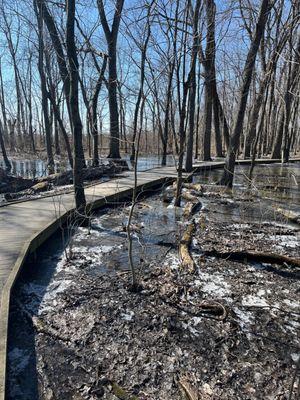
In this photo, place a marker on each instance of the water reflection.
(33, 168)
(274, 181)
(37, 168)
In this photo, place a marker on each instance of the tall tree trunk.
(3, 105)
(228, 173)
(192, 93)
(181, 144)
(54, 100)
(254, 117)
(142, 81)
(288, 100)
(76, 123)
(62, 65)
(114, 146)
(2, 145)
(44, 91)
(94, 114)
(209, 61)
(31, 132)
(111, 38)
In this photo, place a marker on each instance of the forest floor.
(93, 338)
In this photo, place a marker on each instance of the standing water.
(37, 168)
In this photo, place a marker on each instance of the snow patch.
(128, 316)
(215, 284)
(245, 318)
(254, 300)
(283, 241)
(292, 304)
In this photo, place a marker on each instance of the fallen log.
(40, 187)
(258, 256)
(17, 187)
(14, 184)
(197, 187)
(37, 188)
(289, 215)
(191, 208)
(189, 197)
(66, 177)
(184, 247)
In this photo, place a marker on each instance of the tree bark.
(95, 134)
(45, 108)
(288, 100)
(2, 145)
(111, 35)
(209, 67)
(76, 123)
(192, 88)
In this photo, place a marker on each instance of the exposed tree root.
(255, 256)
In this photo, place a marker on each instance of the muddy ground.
(86, 336)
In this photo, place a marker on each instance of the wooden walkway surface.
(25, 225)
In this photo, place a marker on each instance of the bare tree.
(111, 35)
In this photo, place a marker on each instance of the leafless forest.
(184, 285)
(191, 78)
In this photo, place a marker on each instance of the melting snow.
(255, 300)
(127, 317)
(215, 284)
(286, 241)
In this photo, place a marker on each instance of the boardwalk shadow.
(28, 293)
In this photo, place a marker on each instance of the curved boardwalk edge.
(48, 229)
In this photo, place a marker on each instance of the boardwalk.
(24, 226)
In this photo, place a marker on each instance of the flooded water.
(102, 249)
(37, 168)
(279, 183)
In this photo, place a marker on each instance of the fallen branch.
(184, 247)
(258, 256)
(187, 389)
